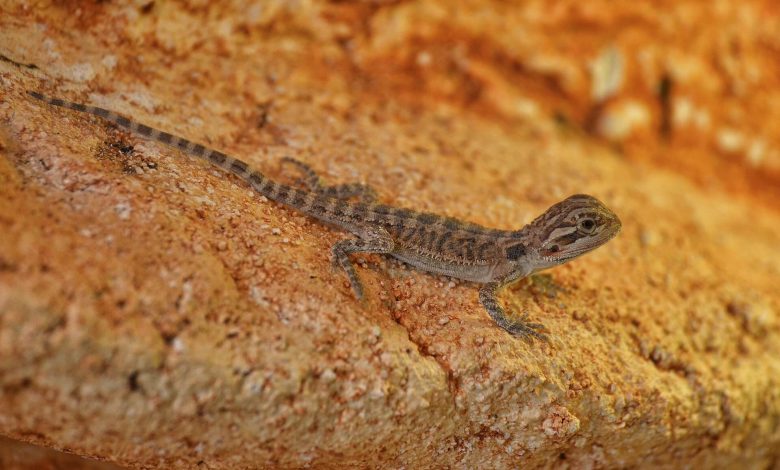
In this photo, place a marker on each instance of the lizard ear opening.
(515, 252)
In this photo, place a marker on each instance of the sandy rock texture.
(15, 455)
(155, 313)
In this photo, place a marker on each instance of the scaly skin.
(429, 242)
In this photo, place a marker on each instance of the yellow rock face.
(158, 314)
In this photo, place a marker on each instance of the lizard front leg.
(374, 241)
(313, 182)
(519, 327)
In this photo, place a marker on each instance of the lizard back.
(429, 241)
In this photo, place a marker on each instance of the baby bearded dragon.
(430, 242)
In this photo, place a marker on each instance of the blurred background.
(688, 86)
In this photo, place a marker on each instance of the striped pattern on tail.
(214, 157)
(316, 205)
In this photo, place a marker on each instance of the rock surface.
(157, 314)
(15, 455)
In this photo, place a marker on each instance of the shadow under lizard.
(429, 242)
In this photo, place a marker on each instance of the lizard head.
(568, 229)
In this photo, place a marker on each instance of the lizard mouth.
(566, 256)
(596, 242)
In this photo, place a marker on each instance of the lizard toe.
(528, 331)
(358, 290)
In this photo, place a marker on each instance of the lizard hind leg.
(520, 328)
(375, 241)
(313, 182)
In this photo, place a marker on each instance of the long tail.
(319, 206)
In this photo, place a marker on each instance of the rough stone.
(156, 314)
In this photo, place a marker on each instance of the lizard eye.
(587, 225)
(554, 249)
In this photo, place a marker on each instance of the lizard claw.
(357, 289)
(527, 331)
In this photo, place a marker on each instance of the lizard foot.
(374, 241)
(526, 330)
(312, 181)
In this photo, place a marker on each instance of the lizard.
(429, 242)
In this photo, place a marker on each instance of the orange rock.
(157, 314)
